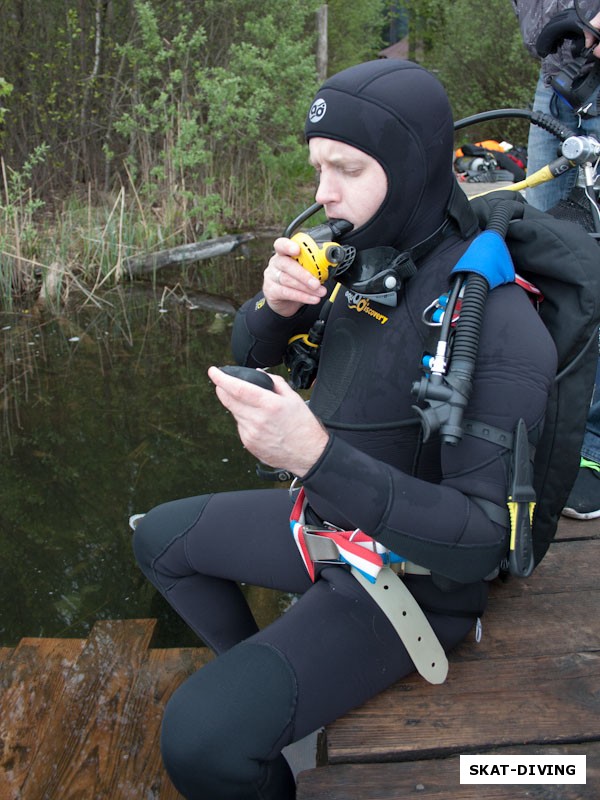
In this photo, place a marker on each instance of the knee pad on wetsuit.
(159, 527)
(224, 728)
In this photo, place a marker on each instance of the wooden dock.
(80, 719)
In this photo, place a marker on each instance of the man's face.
(352, 184)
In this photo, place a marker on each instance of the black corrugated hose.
(447, 395)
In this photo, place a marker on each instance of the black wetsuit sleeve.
(430, 524)
(260, 336)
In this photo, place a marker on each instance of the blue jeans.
(541, 149)
(591, 441)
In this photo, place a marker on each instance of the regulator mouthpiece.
(323, 259)
(320, 253)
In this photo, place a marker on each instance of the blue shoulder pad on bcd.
(488, 256)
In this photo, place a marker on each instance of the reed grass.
(82, 242)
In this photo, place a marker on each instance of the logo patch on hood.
(317, 110)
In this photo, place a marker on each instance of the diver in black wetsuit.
(380, 137)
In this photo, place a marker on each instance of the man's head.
(398, 114)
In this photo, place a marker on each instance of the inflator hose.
(466, 337)
(545, 121)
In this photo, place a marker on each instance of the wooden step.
(440, 779)
(578, 529)
(553, 612)
(568, 566)
(534, 626)
(33, 679)
(80, 720)
(75, 753)
(5, 654)
(135, 767)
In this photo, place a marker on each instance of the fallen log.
(187, 297)
(196, 251)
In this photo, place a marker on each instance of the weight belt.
(379, 572)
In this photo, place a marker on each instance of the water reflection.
(105, 413)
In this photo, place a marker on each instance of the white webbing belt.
(411, 624)
(398, 604)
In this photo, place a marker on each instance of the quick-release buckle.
(324, 542)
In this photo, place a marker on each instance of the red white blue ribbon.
(354, 547)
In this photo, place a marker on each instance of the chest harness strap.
(378, 571)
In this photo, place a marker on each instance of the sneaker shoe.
(133, 521)
(584, 500)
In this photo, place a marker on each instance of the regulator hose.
(545, 121)
(447, 395)
(466, 338)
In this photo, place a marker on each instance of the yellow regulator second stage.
(318, 258)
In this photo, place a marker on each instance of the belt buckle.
(320, 564)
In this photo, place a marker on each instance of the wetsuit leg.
(334, 649)
(224, 728)
(196, 550)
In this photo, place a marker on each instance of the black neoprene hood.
(398, 113)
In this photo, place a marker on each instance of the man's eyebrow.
(335, 158)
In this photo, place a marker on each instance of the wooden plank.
(6, 670)
(555, 611)
(440, 780)
(578, 529)
(568, 566)
(76, 751)
(483, 704)
(537, 625)
(32, 680)
(136, 768)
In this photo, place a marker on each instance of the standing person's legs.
(584, 500)
(542, 148)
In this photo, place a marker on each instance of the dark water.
(105, 413)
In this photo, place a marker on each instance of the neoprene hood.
(398, 113)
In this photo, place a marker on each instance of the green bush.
(477, 52)
(221, 135)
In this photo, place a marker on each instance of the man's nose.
(327, 190)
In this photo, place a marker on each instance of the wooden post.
(412, 34)
(322, 42)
